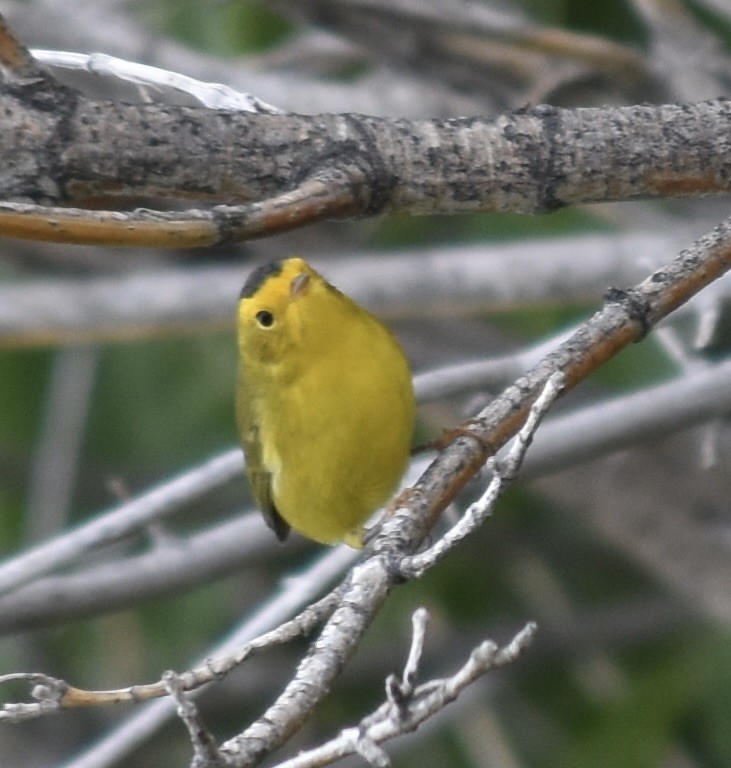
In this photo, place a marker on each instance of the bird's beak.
(299, 284)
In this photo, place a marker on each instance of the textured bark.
(59, 147)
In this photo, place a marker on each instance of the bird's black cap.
(258, 277)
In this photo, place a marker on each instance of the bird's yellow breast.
(332, 402)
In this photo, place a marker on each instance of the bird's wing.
(259, 478)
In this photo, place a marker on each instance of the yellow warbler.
(324, 400)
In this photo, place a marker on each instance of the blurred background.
(117, 373)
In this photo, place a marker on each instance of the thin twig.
(390, 721)
(124, 738)
(54, 466)
(15, 58)
(123, 520)
(53, 694)
(416, 565)
(179, 562)
(620, 422)
(204, 744)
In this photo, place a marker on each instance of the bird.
(325, 404)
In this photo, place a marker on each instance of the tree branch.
(284, 171)
(178, 563)
(445, 281)
(407, 709)
(122, 521)
(627, 317)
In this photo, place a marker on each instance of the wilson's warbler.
(325, 405)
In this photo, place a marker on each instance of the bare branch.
(298, 87)
(627, 317)
(645, 414)
(284, 171)
(360, 166)
(445, 281)
(563, 441)
(416, 565)
(180, 562)
(120, 522)
(53, 695)
(204, 744)
(15, 59)
(404, 688)
(55, 461)
(475, 47)
(393, 719)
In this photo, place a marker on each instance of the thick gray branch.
(58, 146)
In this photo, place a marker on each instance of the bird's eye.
(265, 319)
